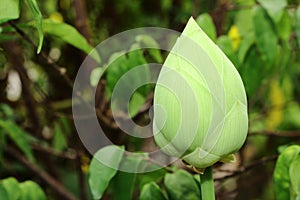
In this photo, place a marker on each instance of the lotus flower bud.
(200, 105)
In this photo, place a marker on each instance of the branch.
(49, 60)
(53, 183)
(290, 134)
(71, 154)
(247, 168)
(17, 63)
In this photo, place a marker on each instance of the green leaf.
(96, 75)
(70, 35)
(206, 23)
(136, 102)
(18, 136)
(2, 145)
(9, 10)
(11, 185)
(284, 26)
(120, 64)
(124, 182)
(181, 185)
(151, 191)
(37, 15)
(59, 138)
(148, 41)
(3, 193)
(251, 72)
(282, 171)
(103, 168)
(274, 8)
(266, 39)
(295, 178)
(245, 47)
(298, 24)
(152, 175)
(225, 44)
(31, 191)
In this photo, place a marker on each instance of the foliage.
(43, 43)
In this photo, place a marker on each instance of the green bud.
(200, 105)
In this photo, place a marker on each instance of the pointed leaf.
(151, 191)
(18, 136)
(274, 8)
(295, 178)
(9, 10)
(31, 191)
(37, 15)
(298, 24)
(103, 168)
(124, 182)
(70, 35)
(206, 23)
(181, 185)
(266, 39)
(282, 171)
(11, 185)
(59, 138)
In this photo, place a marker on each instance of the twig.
(17, 63)
(290, 134)
(247, 168)
(53, 183)
(49, 60)
(71, 154)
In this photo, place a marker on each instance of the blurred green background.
(39, 145)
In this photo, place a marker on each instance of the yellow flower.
(234, 36)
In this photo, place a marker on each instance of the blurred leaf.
(3, 193)
(65, 125)
(6, 112)
(206, 23)
(37, 15)
(2, 145)
(181, 185)
(147, 41)
(252, 72)
(282, 171)
(284, 26)
(96, 75)
(274, 8)
(291, 116)
(224, 42)
(266, 39)
(124, 182)
(6, 38)
(246, 44)
(103, 168)
(136, 102)
(59, 138)
(121, 64)
(13, 190)
(150, 176)
(31, 191)
(297, 14)
(243, 20)
(151, 191)
(9, 10)
(70, 35)
(18, 136)
(295, 178)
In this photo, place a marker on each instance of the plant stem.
(207, 185)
